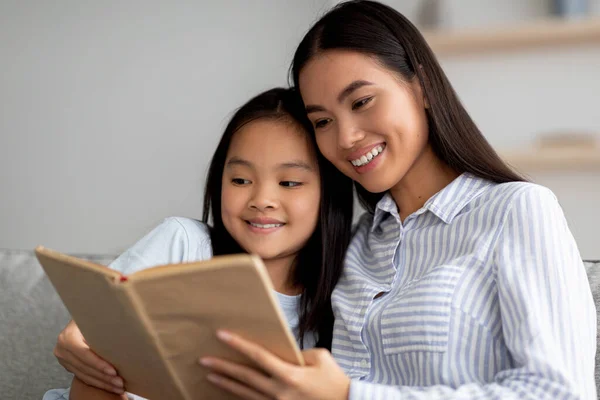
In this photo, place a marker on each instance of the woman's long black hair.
(320, 262)
(378, 30)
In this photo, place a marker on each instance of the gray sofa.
(32, 315)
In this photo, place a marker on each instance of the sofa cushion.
(31, 316)
(593, 271)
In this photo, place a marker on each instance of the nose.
(349, 134)
(263, 198)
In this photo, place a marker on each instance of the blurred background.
(110, 111)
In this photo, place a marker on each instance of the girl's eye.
(360, 103)
(321, 123)
(240, 181)
(290, 184)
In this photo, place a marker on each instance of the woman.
(462, 280)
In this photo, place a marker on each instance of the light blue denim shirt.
(179, 240)
(480, 294)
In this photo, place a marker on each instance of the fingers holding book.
(320, 378)
(74, 354)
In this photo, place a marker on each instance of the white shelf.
(541, 33)
(555, 159)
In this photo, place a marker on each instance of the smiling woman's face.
(368, 122)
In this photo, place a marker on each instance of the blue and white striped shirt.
(479, 294)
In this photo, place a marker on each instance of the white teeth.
(265, 226)
(363, 160)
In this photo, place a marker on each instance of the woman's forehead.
(331, 71)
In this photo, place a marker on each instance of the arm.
(548, 318)
(81, 391)
(548, 315)
(74, 354)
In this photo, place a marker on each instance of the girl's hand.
(321, 378)
(75, 356)
(81, 391)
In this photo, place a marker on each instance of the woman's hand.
(75, 355)
(321, 378)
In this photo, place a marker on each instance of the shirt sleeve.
(63, 394)
(57, 394)
(548, 314)
(175, 240)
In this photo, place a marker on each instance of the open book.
(155, 324)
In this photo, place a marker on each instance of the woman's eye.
(290, 183)
(240, 181)
(321, 123)
(360, 103)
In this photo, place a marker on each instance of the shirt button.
(364, 364)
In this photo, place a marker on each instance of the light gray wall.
(110, 110)
(514, 96)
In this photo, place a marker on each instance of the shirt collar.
(385, 206)
(449, 202)
(445, 204)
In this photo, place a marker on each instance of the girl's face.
(271, 189)
(371, 125)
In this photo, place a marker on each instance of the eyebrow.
(238, 161)
(347, 91)
(286, 165)
(295, 164)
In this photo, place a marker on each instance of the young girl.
(268, 192)
(462, 280)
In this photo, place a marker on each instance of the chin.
(375, 187)
(266, 254)
(267, 258)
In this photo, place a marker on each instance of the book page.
(186, 309)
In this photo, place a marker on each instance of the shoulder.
(191, 228)
(532, 213)
(190, 236)
(526, 195)
(514, 196)
(187, 232)
(517, 189)
(174, 240)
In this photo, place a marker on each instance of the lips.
(355, 155)
(263, 223)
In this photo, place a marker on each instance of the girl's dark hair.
(378, 30)
(319, 263)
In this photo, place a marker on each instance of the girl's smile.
(263, 225)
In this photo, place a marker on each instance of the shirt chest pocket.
(417, 318)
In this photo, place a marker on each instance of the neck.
(426, 177)
(281, 272)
